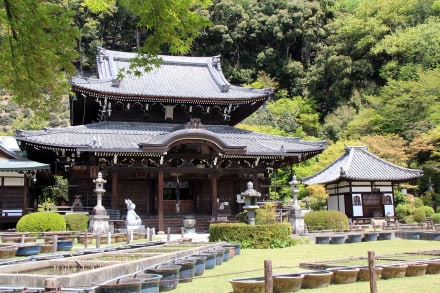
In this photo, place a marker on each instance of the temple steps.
(175, 223)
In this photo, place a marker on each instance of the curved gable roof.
(357, 164)
(177, 77)
(135, 137)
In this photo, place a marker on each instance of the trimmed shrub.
(409, 219)
(403, 210)
(326, 220)
(265, 214)
(419, 214)
(76, 222)
(436, 218)
(41, 222)
(253, 236)
(429, 211)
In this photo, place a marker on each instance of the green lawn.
(251, 263)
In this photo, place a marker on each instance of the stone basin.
(394, 271)
(316, 279)
(247, 285)
(416, 269)
(287, 282)
(344, 275)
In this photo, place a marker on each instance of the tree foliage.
(39, 40)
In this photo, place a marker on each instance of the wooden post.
(160, 186)
(169, 235)
(268, 282)
(372, 270)
(182, 232)
(54, 243)
(86, 239)
(214, 196)
(114, 195)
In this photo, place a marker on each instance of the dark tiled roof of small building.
(177, 77)
(357, 164)
(128, 136)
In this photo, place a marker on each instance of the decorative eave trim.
(162, 99)
(163, 143)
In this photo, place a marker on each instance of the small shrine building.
(361, 184)
(165, 139)
(17, 179)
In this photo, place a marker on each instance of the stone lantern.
(249, 197)
(296, 218)
(99, 218)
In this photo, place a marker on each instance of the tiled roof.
(127, 136)
(360, 165)
(177, 77)
(11, 161)
(26, 165)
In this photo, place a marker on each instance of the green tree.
(39, 40)
(37, 48)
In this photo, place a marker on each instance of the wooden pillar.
(255, 181)
(214, 195)
(26, 193)
(115, 190)
(160, 200)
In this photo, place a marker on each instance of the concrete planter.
(416, 269)
(231, 250)
(211, 260)
(322, 239)
(170, 276)
(430, 235)
(319, 279)
(338, 239)
(28, 250)
(287, 283)
(8, 251)
(345, 275)
(354, 238)
(370, 237)
(199, 267)
(433, 267)
(237, 247)
(64, 245)
(364, 273)
(46, 247)
(150, 282)
(394, 271)
(248, 285)
(125, 285)
(219, 256)
(187, 269)
(384, 236)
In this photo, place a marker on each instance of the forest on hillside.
(351, 72)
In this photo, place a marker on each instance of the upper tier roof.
(130, 137)
(177, 77)
(357, 164)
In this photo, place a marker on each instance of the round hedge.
(436, 218)
(77, 222)
(326, 220)
(419, 214)
(41, 222)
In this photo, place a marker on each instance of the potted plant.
(57, 193)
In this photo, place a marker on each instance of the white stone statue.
(132, 219)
